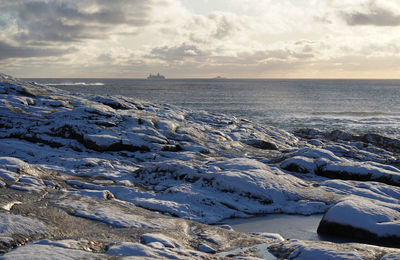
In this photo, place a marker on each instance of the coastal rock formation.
(105, 176)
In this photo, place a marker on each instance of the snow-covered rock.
(316, 250)
(131, 249)
(15, 224)
(100, 169)
(206, 249)
(164, 240)
(363, 219)
(335, 165)
(49, 252)
(274, 236)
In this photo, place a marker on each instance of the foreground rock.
(106, 177)
(363, 219)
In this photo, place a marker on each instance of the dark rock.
(332, 228)
(292, 167)
(261, 144)
(387, 143)
(343, 175)
(172, 148)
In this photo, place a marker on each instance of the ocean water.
(358, 106)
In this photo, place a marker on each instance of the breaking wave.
(76, 84)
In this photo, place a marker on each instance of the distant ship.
(219, 77)
(158, 76)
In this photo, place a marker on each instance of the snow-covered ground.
(99, 177)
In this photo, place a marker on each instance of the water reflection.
(288, 226)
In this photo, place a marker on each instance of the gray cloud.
(214, 26)
(376, 16)
(40, 28)
(104, 58)
(176, 53)
(225, 26)
(9, 51)
(54, 21)
(263, 57)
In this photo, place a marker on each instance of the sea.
(356, 106)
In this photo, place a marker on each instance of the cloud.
(43, 28)
(224, 25)
(176, 53)
(179, 38)
(375, 16)
(105, 58)
(55, 21)
(8, 51)
(213, 27)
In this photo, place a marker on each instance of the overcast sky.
(201, 38)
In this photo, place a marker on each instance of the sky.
(200, 38)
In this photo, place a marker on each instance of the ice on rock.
(48, 252)
(206, 249)
(318, 153)
(299, 164)
(16, 224)
(325, 163)
(103, 140)
(131, 249)
(273, 236)
(67, 243)
(8, 175)
(225, 226)
(316, 250)
(372, 190)
(11, 168)
(154, 237)
(360, 171)
(12, 164)
(319, 252)
(391, 256)
(102, 194)
(110, 214)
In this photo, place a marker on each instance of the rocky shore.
(113, 177)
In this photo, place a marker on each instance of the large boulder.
(364, 219)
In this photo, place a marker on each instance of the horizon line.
(215, 78)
